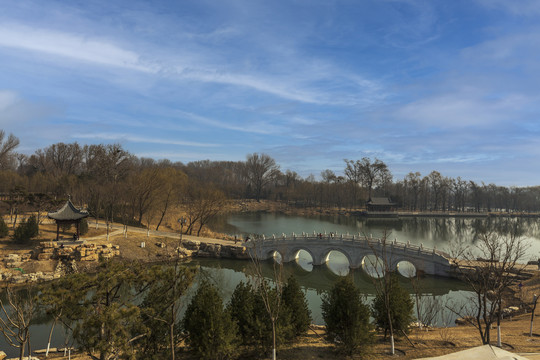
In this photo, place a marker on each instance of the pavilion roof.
(380, 201)
(68, 212)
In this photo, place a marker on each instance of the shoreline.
(268, 206)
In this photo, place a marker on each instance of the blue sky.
(452, 86)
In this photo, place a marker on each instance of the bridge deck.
(350, 240)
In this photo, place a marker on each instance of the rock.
(92, 257)
(44, 257)
(12, 258)
(14, 264)
(18, 279)
(160, 244)
(205, 254)
(191, 244)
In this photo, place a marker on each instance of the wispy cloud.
(139, 139)
(523, 7)
(106, 53)
(72, 46)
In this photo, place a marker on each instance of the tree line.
(116, 185)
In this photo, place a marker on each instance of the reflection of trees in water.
(417, 229)
(446, 229)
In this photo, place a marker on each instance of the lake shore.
(249, 205)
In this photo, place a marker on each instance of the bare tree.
(271, 294)
(259, 170)
(6, 150)
(489, 267)
(18, 310)
(202, 204)
(367, 173)
(380, 271)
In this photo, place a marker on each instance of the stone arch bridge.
(355, 248)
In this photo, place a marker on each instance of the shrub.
(242, 309)
(346, 316)
(295, 303)
(254, 324)
(211, 332)
(26, 230)
(401, 307)
(4, 230)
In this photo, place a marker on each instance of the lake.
(439, 232)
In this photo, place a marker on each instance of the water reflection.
(406, 269)
(439, 232)
(338, 263)
(304, 260)
(373, 266)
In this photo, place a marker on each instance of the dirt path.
(117, 230)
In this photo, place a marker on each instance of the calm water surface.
(431, 232)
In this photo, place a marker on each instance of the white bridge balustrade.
(355, 248)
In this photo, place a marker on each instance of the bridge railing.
(347, 239)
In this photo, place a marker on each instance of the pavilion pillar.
(77, 225)
(57, 231)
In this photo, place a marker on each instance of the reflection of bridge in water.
(355, 248)
(321, 278)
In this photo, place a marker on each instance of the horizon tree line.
(117, 185)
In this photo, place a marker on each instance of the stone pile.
(16, 260)
(80, 252)
(202, 249)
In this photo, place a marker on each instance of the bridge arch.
(428, 261)
(274, 254)
(406, 268)
(325, 253)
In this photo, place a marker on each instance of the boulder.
(44, 257)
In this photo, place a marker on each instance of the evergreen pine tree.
(26, 230)
(401, 307)
(212, 334)
(242, 308)
(296, 304)
(346, 316)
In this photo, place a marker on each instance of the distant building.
(380, 204)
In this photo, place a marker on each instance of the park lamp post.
(182, 221)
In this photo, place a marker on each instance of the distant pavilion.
(67, 215)
(380, 204)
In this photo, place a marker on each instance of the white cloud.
(77, 47)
